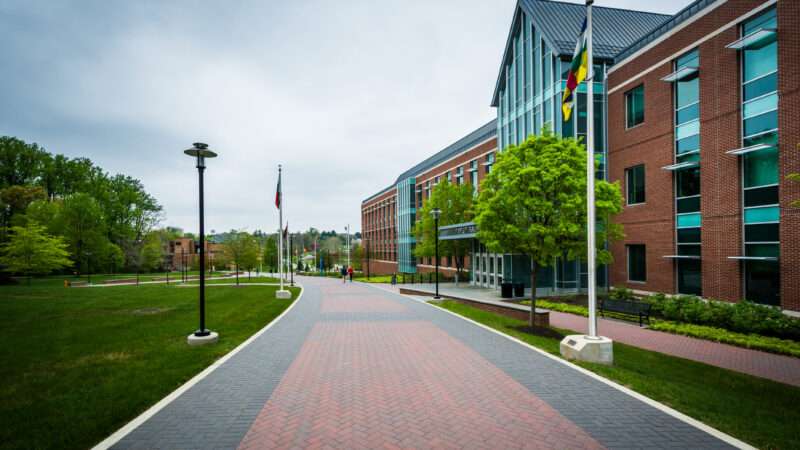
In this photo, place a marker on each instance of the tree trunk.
(237, 275)
(533, 295)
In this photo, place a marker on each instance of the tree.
(241, 248)
(31, 251)
(358, 256)
(455, 202)
(83, 227)
(270, 256)
(153, 250)
(534, 202)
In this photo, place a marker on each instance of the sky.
(345, 95)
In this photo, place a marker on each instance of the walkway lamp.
(436, 213)
(200, 152)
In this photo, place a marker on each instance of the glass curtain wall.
(406, 216)
(688, 220)
(530, 100)
(760, 168)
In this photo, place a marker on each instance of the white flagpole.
(592, 277)
(280, 227)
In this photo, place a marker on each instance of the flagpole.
(591, 276)
(280, 228)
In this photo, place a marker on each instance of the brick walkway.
(354, 367)
(781, 368)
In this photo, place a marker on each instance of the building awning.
(754, 258)
(682, 256)
(467, 230)
(682, 165)
(753, 39)
(752, 148)
(680, 74)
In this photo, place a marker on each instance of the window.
(473, 173)
(447, 177)
(436, 180)
(634, 106)
(637, 263)
(460, 175)
(760, 169)
(489, 162)
(634, 184)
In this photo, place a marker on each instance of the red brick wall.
(652, 144)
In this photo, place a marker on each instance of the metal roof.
(483, 133)
(559, 22)
(486, 131)
(679, 17)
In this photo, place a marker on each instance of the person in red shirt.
(350, 273)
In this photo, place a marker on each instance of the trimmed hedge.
(752, 341)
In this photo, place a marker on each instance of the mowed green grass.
(78, 363)
(758, 411)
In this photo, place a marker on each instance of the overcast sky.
(345, 94)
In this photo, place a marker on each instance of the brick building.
(695, 117)
(184, 252)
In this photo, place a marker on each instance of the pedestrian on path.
(350, 273)
(344, 274)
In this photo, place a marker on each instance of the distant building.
(185, 252)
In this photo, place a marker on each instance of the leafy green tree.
(20, 163)
(455, 202)
(796, 178)
(31, 251)
(358, 256)
(153, 250)
(534, 202)
(83, 227)
(241, 249)
(270, 256)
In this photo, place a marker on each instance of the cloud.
(346, 95)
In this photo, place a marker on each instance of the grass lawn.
(242, 280)
(755, 410)
(78, 363)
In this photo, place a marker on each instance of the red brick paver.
(342, 391)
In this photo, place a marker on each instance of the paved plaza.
(352, 366)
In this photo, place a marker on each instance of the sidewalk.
(780, 368)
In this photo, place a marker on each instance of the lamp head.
(436, 213)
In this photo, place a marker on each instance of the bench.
(632, 308)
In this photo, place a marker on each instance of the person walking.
(344, 274)
(350, 273)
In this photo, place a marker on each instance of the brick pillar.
(720, 180)
(789, 135)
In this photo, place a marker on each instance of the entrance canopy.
(456, 231)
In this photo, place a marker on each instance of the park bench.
(629, 307)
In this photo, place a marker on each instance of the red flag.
(278, 193)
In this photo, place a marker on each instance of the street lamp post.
(200, 152)
(88, 268)
(436, 213)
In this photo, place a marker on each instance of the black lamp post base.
(202, 337)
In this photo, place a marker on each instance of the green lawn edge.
(78, 364)
(755, 410)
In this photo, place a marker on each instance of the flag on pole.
(286, 231)
(577, 73)
(278, 193)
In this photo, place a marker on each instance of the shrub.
(620, 294)
(743, 317)
(754, 341)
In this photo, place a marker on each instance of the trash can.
(519, 289)
(506, 290)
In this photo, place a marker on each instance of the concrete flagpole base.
(212, 338)
(283, 295)
(586, 348)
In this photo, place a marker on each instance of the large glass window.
(634, 184)
(637, 263)
(760, 171)
(460, 175)
(473, 173)
(489, 162)
(634, 106)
